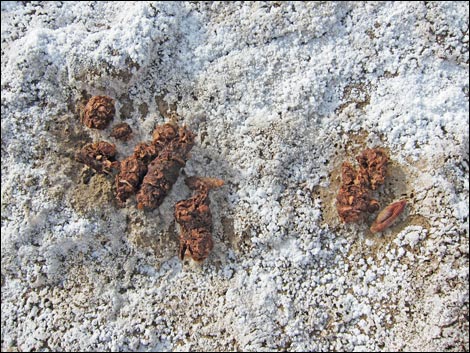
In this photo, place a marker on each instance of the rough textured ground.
(279, 94)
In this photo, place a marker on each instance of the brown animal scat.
(133, 170)
(163, 171)
(129, 178)
(387, 216)
(98, 112)
(163, 134)
(100, 156)
(122, 132)
(373, 165)
(197, 242)
(353, 198)
(195, 219)
(135, 167)
(146, 152)
(162, 174)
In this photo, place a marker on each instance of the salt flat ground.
(280, 94)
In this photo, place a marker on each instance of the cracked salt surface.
(279, 94)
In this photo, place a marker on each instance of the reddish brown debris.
(387, 216)
(122, 132)
(100, 156)
(354, 199)
(129, 178)
(146, 152)
(164, 134)
(354, 196)
(169, 142)
(133, 170)
(373, 164)
(99, 111)
(164, 169)
(194, 217)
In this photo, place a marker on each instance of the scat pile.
(101, 156)
(354, 196)
(165, 168)
(280, 93)
(195, 218)
(154, 166)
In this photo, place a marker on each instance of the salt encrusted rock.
(195, 218)
(122, 132)
(98, 112)
(100, 156)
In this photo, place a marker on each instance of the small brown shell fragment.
(98, 113)
(100, 156)
(122, 132)
(387, 216)
(195, 219)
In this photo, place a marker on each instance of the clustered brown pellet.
(122, 132)
(151, 171)
(133, 170)
(373, 164)
(163, 171)
(354, 198)
(98, 112)
(195, 219)
(154, 166)
(100, 156)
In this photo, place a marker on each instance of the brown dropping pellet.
(195, 219)
(122, 132)
(163, 171)
(353, 198)
(101, 156)
(98, 112)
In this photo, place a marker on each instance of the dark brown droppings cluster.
(134, 167)
(122, 132)
(354, 198)
(146, 152)
(195, 219)
(163, 171)
(129, 178)
(101, 156)
(373, 165)
(151, 171)
(154, 166)
(98, 112)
